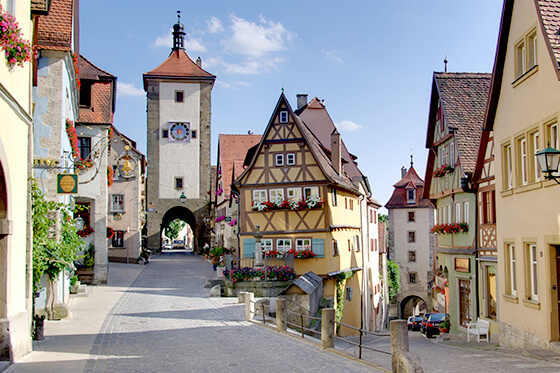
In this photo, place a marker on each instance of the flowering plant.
(450, 228)
(85, 232)
(444, 169)
(73, 137)
(110, 232)
(248, 273)
(309, 203)
(17, 50)
(302, 254)
(110, 173)
(76, 69)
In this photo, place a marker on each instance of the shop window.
(118, 239)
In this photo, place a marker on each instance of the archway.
(182, 214)
(412, 305)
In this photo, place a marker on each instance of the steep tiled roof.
(232, 150)
(550, 14)
(399, 198)
(39, 6)
(91, 72)
(178, 65)
(54, 31)
(464, 97)
(103, 91)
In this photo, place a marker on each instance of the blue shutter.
(248, 247)
(318, 247)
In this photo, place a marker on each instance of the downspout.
(365, 273)
(235, 192)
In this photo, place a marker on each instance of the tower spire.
(178, 34)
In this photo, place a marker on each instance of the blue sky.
(371, 61)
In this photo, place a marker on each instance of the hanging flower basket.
(110, 232)
(309, 203)
(16, 49)
(85, 232)
(444, 169)
(450, 228)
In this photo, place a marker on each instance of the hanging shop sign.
(67, 184)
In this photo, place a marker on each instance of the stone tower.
(179, 95)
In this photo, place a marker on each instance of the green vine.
(340, 285)
(53, 249)
(393, 279)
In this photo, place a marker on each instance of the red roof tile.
(399, 198)
(178, 65)
(550, 14)
(231, 151)
(55, 30)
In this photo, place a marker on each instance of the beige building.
(523, 112)
(15, 169)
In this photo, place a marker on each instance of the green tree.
(173, 229)
(393, 279)
(383, 218)
(55, 239)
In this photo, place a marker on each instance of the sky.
(372, 62)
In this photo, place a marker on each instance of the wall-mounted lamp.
(548, 160)
(183, 198)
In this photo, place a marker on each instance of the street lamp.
(79, 223)
(548, 160)
(258, 250)
(183, 198)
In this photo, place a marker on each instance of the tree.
(383, 218)
(173, 229)
(393, 279)
(55, 240)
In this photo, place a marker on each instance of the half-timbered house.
(297, 194)
(457, 107)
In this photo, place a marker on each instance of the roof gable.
(178, 66)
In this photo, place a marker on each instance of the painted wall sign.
(462, 265)
(67, 184)
(45, 162)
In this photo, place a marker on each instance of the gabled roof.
(318, 120)
(232, 149)
(463, 98)
(103, 93)
(399, 197)
(89, 71)
(321, 157)
(178, 66)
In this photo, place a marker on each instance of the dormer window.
(283, 117)
(411, 196)
(85, 93)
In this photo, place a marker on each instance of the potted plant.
(444, 326)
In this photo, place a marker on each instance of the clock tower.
(179, 96)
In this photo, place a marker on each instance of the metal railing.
(360, 343)
(301, 326)
(232, 261)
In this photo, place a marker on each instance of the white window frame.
(279, 159)
(512, 282)
(294, 194)
(357, 243)
(303, 244)
(523, 155)
(452, 154)
(509, 167)
(466, 212)
(335, 247)
(334, 197)
(260, 195)
(449, 215)
(276, 195)
(283, 244)
(290, 159)
(309, 192)
(458, 212)
(536, 149)
(117, 206)
(266, 244)
(533, 272)
(413, 199)
(283, 116)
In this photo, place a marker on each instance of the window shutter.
(318, 247)
(248, 247)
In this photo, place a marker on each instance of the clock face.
(179, 131)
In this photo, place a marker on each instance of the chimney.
(335, 152)
(199, 62)
(403, 171)
(301, 100)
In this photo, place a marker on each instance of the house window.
(511, 286)
(348, 293)
(552, 133)
(84, 146)
(178, 183)
(412, 277)
(260, 195)
(439, 117)
(303, 244)
(526, 54)
(349, 246)
(522, 151)
(458, 212)
(357, 242)
(452, 154)
(375, 244)
(508, 170)
(283, 117)
(464, 302)
(466, 212)
(309, 192)
(411, 216)
(333, 196)
(276, 195)
(491, 293)
(335, 247)
(117, 202)
(412, 255)
(532, 273)
(290, 159)
(165, 134)
(266, 244)
(351, 203)
(520, 61)
(83, 211)
(411, 236)
(283, 244)
(179, 96)
(279, 159)
(410, 195)
(489, 207)
(118, 239)
(449, 216)
(85, 93)
(294, 194)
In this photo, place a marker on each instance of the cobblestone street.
(159, 318)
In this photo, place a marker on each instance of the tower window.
(179, 96)
(165, 134)
(283, 117)
(193, 134)
(178, 183)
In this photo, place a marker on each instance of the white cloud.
(347, 125)
(214, 25)
(233, 85)
(128, 89)
(191, 45)
(249, 67)
(332, 54)
(252, 39)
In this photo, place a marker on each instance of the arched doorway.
(182, 214)
(4, 231)
(412, 305)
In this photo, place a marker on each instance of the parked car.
(409, 322)
(416, 323)
(424, 321)
(433, 323)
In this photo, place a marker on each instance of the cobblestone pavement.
(165, 322)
